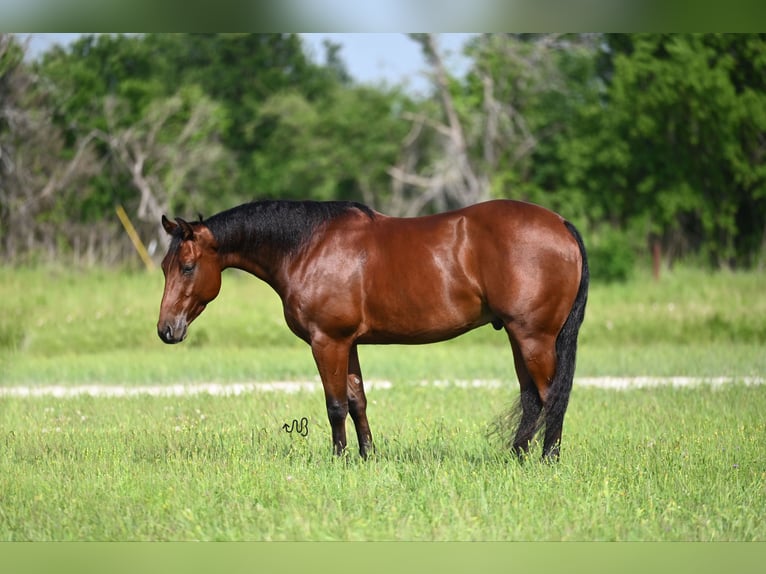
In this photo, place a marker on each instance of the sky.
(390, 58)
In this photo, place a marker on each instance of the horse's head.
(192, 277)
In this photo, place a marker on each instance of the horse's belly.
(424, 321)
(415, 337)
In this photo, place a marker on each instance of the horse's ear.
(186, 228)
(168, 225)
(201, 219)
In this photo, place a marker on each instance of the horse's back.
(507, 219)
(515, 233)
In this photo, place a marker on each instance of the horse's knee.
(336, 411)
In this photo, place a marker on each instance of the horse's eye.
(187, 268)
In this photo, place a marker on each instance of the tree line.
(650, 143)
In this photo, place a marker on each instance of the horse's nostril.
(165, 334)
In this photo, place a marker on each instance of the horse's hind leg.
(530, 406)
(357, 403)
(538, 357)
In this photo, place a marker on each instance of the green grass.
(59, 326)
(665, 464)
(652, 464)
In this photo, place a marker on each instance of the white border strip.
(169, 390)
(623, 383)
(235, 389)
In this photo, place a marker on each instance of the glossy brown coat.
(365, 278)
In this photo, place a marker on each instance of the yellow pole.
(135, 238)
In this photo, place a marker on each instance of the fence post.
(137, 243)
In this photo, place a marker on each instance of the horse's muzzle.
(172, 334)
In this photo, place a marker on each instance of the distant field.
(58, 326)
(646, 464)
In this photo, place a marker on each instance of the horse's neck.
(264, 263)
(260, 252)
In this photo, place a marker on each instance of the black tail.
(566, 351)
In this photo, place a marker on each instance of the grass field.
(666, 464)
(59, 326)
(649, 464)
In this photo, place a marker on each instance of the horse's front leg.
(331, 358)
(357, 403)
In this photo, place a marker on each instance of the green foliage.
(675, 141)
(649, 135)
(611, 256)
(335, 148)
(243, 73)
(292, 127)
(543, 91)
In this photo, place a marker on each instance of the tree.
(162, 141)
(37, 171)
(676, 147)
(639, 139)
(172, 155)
(453, 179)
(487, 129)
(529, 87)
(242, 72)
(337, 147)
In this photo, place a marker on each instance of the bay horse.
(348, 275)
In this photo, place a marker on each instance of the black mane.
(279, 224)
